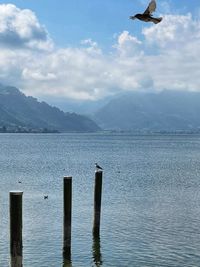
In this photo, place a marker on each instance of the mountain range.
(25, 113)
(139, 112)
(164, 111)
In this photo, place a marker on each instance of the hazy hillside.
(86, 107)
(167, 110)
(18, 110)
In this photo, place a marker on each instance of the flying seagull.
(147, 15)
(98, 167)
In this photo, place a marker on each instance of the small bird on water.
(147, 15)
(98, 168)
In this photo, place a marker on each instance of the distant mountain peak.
(9, 90)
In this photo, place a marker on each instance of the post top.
(98, 171)
(67, 177)
(16, 192)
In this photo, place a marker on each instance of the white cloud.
(21, 29)
(176, 64)
(38, 75)
(127, 44)
(175, 30)
(167, 58)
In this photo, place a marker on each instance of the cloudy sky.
(90, 49)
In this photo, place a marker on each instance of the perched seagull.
(147, 15)
(98, 167)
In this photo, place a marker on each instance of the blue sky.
(70, 21)
(88, 50)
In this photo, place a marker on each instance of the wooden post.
(67, 217)
(96, 249)
(97, 202)
(16, 228)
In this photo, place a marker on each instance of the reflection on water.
(96, 251)
(153, 202)
(96, 254)
(67, 256)
(67, 263)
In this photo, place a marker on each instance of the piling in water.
(97, 202)
(96, 251)
(67, 196)
(16, 245)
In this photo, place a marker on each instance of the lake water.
(150, 203)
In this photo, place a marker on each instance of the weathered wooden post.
(97, 202)
(16, 245)
(67, 217)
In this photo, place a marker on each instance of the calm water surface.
(150, 205)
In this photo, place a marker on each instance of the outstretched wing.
(151, 8)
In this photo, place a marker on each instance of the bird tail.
(132, 17)
(157, 20)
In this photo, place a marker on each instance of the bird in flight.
(98, 167)
(147, 15)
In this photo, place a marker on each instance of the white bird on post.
(98, 168)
